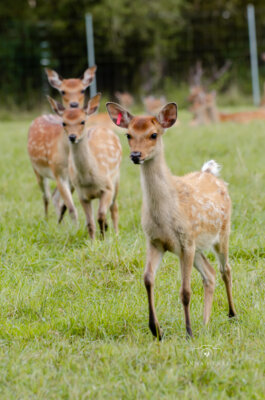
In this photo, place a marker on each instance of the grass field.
(73, 319)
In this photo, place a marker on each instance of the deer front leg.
(65, 192)
(87, 206)
(186, 263)
(104, 205)
(154, 257)
(114, 210)
(59, 204)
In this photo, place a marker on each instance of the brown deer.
(184, 215)
(203, 102)
(48, 147)
(94, 164)
(203, 106)
(125, 99)
(243, 117)
(153, 104)
(205, 111)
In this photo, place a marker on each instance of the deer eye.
(82, 122)
(128, 136)
(64, 124)
(83, 91)
(62, 92)
(153, 136)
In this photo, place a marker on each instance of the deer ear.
(57, 107)
(119, 115)
(89, 75)
(93, 104)
(54, 79)
(168, 115)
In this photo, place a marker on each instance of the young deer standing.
(94, 164)
(183, 215)
(48, 147)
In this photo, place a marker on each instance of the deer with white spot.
(48, 147)
(184, 215)
(94, 163)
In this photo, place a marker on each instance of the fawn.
(94, 163)
(203, 106)
(184, 215)
(204, 109)
(153, 104)
(48, 147)
(125, 99)
(243, 117)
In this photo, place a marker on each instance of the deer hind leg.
(208, 277)
(44, 187)
(104, 204)
(186, 263)
(87, 206)
(154, 257)
(114, 210)
(222, 253)
(65, 192)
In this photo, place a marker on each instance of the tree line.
(137, 44)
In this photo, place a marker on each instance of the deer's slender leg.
(59, 204)
(208, 277)
(225, 269)
(104, 205)
(154, 257)
(44, 187)
(186, 263)
(65, 192)
(87, 206)
(114, 210)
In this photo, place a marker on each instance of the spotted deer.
(243, 117)
(203, 106)
(94, 163)
(205, 111)
(184, 215)
(153, 104)
(125, 99)
(48, 147)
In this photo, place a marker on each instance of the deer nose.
(74, 105)
(72, 137)
(135, 157)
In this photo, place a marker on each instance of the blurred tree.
(137, 43)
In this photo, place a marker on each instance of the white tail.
(95, 157)
(212, 167)
(184, 215)
(48, 146)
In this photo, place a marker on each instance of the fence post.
(90, 51)
(253, 54)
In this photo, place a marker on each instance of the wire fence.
(213, 38)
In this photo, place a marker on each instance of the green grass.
(73, 319)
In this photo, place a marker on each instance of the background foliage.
(144, 47)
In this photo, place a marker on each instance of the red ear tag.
(118, 122)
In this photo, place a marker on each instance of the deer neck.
(83, 157)
(156, 181)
